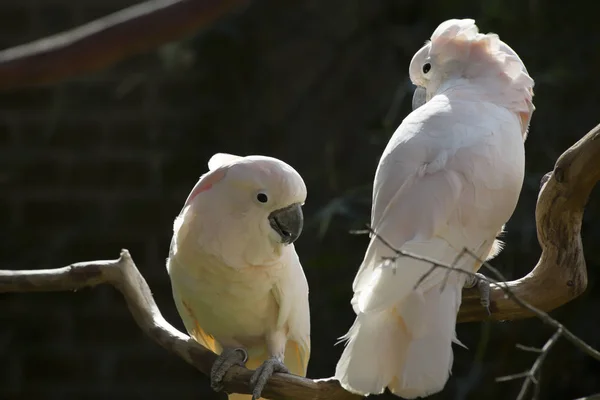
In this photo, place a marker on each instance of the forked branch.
(559, 277)
(560, 274)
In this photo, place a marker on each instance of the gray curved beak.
(287, 222)
(419, 97)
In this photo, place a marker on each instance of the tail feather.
(407, 348)
(429, 357)
(373, 353)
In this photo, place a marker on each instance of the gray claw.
(228, 358)
(263, 373)
(484, 289)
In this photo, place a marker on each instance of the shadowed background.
(105, 161)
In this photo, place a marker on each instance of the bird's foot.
(228, 358)
(484, 289)
(263, 373)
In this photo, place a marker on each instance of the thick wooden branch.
(560, 274)
(107, 40)
(124, 275)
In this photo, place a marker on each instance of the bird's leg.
(276, 342)
(263, 373)
(484, 289)
(228, 358)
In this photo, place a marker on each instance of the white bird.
(237, 281)
(449, 179)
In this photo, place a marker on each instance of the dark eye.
(426, 68)
(263, 198)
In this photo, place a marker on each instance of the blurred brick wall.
(104, 162)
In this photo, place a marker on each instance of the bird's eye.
(263, 198)
(426, 68)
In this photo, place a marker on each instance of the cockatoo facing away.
(449, 179)
(237, 281)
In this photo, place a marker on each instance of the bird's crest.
(485, 56)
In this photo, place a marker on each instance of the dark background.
(105, 161)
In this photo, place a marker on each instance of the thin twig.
(528, 348)
(532, 375)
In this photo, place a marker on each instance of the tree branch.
(124, 275)
(105, 41)
(560, 274)
(558, 277)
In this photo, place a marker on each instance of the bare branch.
(105, 41)
(560, 275)
(528, 348)
(532, 376)
(124, 275)
(592, 397)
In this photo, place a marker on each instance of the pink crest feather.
(486, 57)
(206, 182)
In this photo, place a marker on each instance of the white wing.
(440, 186)
(291, 293)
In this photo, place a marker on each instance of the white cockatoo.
(237, 281)
(449, 179)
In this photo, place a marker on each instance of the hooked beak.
(419, 97)
(287, 222)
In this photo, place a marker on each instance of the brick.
(101, 96)
(16, 20)
(149, 364)
(76, 133)
(182, 172)
(125, 133)
(54, 18)
(108, 329)
(75, 367)
(58, 213)
(10, 376)
(41, 320)
(145, 214)
(8, 132)
(6, 212)
(184, 132)
(15, 246)
(33, 173)
(33, 129)
(137, 68)
(109, 174)
(27, 99)
(182, 93)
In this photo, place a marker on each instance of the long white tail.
(407, 348)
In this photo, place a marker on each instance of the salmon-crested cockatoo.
(237, 281)
(448, 180)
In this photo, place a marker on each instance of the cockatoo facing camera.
(237, 281)
(449, 179)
